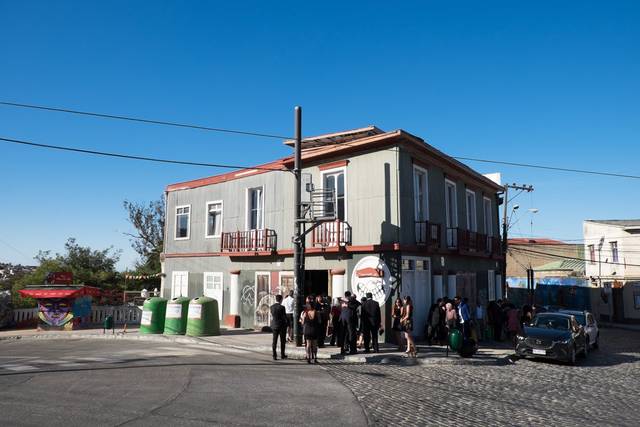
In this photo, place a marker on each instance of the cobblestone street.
(599, 390)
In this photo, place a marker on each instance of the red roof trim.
(314, 155)
(229, 176)
(334, 165)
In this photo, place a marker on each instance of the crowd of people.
(350, 324)
(500, 320)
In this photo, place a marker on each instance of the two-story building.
(408, 220)
(612, 251)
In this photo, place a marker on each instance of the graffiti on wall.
(521, 282)
(55, 311)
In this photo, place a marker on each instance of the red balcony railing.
(470, 241)
(494, 245)
(428, 234)
(333, 233)
(249, 241)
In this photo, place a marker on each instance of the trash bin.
(108, 322)
(153, 311)
(203, 319)
(175, 322)
(455, 339)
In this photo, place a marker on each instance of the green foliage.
(91, 267)
(148, 239)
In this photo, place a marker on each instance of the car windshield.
(580, 317)
(551, 322)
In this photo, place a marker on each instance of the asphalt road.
(116, 382)
(121, 382)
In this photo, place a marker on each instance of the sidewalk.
(489, 353)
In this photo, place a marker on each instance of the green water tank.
(175, 321)
(203, 319)
(455, 339)
(153, 311)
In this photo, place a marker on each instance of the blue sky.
(547, 82)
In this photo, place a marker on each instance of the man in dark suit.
(278, 326)
(370, 322)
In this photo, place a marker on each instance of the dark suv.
(556, 336)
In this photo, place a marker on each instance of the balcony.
(470, 241)
(331, 234)
(428, 234)
(494, 245)
(264, 240)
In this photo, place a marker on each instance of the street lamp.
(533, 211)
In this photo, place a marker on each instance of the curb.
(427, 359)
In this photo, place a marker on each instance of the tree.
(148, 240)
(91, 267)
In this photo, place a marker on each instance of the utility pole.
(505, 227)
(298, 243)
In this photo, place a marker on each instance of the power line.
(141, 120)
(131, 157)
(267, 135)
(571, 258)
(527, 165)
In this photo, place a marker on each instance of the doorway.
(316, 282)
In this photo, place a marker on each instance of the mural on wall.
(521, 282)
(82, 307)
(371, 274)
(55, 312)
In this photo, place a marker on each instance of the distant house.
(409, 220)
(559, 272)
(612, 250)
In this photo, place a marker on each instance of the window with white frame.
(472, 222)
(214, 219)
(592, 254)
(451, 204)
(488, 218)
(614, 251)
(255, 208)
(335, 180)
(183, 217)
(420, 194)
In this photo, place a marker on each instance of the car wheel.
(595, 344)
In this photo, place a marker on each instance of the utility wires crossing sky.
(246, 133)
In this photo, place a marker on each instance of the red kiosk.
(61, 305)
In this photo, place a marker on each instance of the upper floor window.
(472, 219)
(614, 251)
(488, 218)
(214, 219)
(335, 181)
(420, 194)
(183, 216)
(451, 204)
(255, 208)
(592, 254)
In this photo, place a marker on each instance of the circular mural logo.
(371, 274)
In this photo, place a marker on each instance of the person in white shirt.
(288, 308)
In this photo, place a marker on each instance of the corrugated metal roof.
(563, 265)
(618, 222)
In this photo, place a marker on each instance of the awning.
(49, 292)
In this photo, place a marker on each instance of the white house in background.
(612, 252)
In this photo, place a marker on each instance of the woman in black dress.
(407, 325)
(311, 329)
(396, 314)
